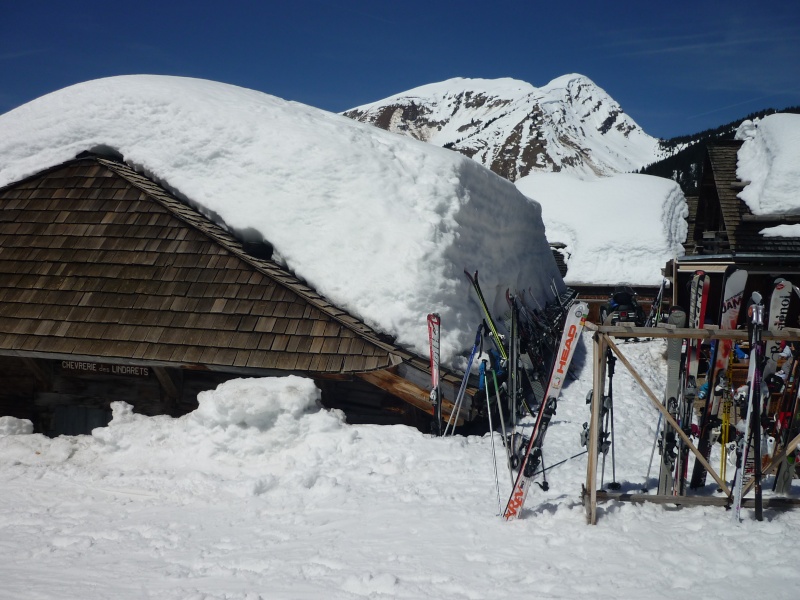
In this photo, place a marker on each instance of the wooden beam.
(787, 219)
(660, 407)
(39, 372)
(790, 447)
(772, 502)
(789, 333)
(166, 382)
(407, 391)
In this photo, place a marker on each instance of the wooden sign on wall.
(76, 366)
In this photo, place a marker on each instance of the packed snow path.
(260, 494)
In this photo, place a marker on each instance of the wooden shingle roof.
(722, 162)
(744, 230)
(97, 260)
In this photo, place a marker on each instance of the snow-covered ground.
(382, 225)
(617, 229)
(260, 494)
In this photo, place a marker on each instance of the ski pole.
(544, 485)
(494, 453)
(652, 454)
(561, 462)
(603, 435)
(463, 389)
(502, 425)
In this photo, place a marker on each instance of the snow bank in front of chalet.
(769, 163)
(244, 431)
(14, 426)
(622, 228)
(380, 224)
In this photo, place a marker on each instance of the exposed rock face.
(514, 128)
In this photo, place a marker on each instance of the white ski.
(576, 318)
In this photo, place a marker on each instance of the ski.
(513, 371)
(434, 336)
(778, 311)
(698, 301)
(735, 282)
(697, 310)
(786, 419)
(473, 279)
(789, 423)
(654, 318)
(668, 441)
(756, 321)
(576, 318)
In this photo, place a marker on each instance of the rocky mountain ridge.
(514, 128)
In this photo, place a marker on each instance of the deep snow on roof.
(380, 224)
(616, 229)
(769, 162)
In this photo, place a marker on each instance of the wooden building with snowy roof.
(111, 288)
(723, 232)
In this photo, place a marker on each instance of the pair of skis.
(717, 401)
(733, 294)
(751, 438)
(654, 317)
(576, 318)
(672, 392)
(434, 342)
(687, 392)
(683, 359)
(527, 466)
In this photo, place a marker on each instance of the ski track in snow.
(260, 495)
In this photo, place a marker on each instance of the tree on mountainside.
(685, 166)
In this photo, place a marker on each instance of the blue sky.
(676, 68)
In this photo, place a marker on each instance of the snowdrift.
(769, 163)
(380, 224)
(622, 228)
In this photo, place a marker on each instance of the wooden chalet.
(111, 288)
(723, 232)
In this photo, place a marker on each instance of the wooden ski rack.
(603, 340)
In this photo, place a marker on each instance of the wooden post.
(669, 418)
(599, 352)
(39, 372)
(166, 382)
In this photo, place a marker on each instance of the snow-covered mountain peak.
(514, 128)
(505, 88)
(567, 81)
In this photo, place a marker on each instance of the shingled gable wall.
(100, 268)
